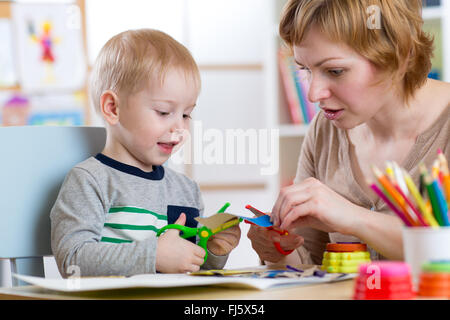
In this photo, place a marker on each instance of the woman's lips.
(332, 114)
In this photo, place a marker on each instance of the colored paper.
(215, 221)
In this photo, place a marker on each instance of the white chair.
(33, 163)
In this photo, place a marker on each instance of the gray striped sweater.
(107, 214)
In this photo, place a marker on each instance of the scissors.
(277, 245)
(204, 233)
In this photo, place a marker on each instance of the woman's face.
(345, 84)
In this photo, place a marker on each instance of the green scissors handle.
(203, 232)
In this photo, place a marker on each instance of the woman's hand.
(312, 204)
(263, 240)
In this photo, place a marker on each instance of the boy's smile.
(167, 147)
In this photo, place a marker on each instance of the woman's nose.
(318, 90)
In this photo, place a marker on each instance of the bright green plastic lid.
(437, 266)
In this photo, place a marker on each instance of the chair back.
(34, 162)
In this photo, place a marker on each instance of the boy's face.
(155, 120)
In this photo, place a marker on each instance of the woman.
(369, 75)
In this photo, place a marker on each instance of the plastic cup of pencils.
(424, 244)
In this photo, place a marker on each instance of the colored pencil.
(399, 178)
(421, 185)
(390, 171)
(434, 194)
(445, 173)
(399, 213)
(419, 200)
(435, 169)
(442, 205)
(426, 206)
(386, 184)
(412, 206)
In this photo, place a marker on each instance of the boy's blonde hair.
(399, 38)
(131, 59)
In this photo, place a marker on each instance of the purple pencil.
(390, 204)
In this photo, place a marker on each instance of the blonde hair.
(399, 39)
(129, 60)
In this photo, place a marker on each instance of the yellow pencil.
(435, 169)
(390, 171)
(445, 172)
(419, 200)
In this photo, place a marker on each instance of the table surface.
(340, 290)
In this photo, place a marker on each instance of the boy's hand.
(177, 255)
(223, 242)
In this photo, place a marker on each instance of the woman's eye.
(304, 69)
(187, 116)
(336, 72)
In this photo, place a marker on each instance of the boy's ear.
(109, 106)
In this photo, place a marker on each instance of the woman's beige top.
(325, 155)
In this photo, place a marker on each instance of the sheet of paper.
(218, 219)
(172, 280)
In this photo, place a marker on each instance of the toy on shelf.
(344, 257)
(435, 279)
(16, 111)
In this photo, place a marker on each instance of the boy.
(145, 85)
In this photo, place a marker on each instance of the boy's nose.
(177, 125)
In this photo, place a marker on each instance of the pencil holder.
(424, 244)
(435, 279)
(344, 257)
(384, 280)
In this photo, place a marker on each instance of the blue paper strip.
(262, 221)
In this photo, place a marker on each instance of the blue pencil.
(442, 205)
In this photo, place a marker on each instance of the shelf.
(230, 67)
(432, 13)
(293, 130)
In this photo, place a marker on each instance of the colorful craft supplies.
(384, 280)
(435, 279)
(413, 207)
(344, 257)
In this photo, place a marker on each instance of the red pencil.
(408, 201)
(399, 213)
(387, 185)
